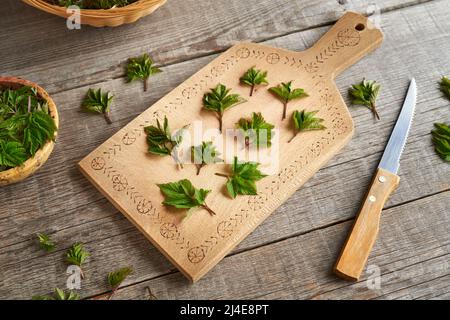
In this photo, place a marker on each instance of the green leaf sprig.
(45, 242)
(77, 255)
(445, 87)
(183, 195)
(115, 279)
(219, 100)
(97, 101)
(256, 130)
(161, 142)
(365, 94)
(254, 77)
(243, 178)
(285, 93)
(25, 125)
(58, 294)
(204, 154)
(141, 68)
(92, 4)
(306, 121)
(441, 140)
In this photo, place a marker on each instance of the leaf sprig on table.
(204, 154)
(365, 94)
(242, 179)
(285, 93)
(306, 121)
(254, 77)
(58, 294)
(441, 140)
(45, 242)
(115, 279)
(445, 87)
(219, 100)
(141, 68)
(256, 130)
(183, 195)
(92, 4)
(25, 125)
(77, 255)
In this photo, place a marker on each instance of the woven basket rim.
(46, 148)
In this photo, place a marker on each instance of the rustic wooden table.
(291, 254)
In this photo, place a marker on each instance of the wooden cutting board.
(126, 174)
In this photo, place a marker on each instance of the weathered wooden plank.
(63, 59)
(64, 196)
(413, 249)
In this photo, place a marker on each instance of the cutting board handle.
(351, 38)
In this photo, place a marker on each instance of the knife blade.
(361, 239)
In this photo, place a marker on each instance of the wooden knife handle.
(350, 39)
(359, 243)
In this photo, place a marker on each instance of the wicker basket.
(32, 164)
(104, 18)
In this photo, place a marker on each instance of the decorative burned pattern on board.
(295, 172)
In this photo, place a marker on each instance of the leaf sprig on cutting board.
(445, 87)
(254, 77)
(306, 121)
(256, 130)
(285, 93)
(25, 125)
(45, 242)
(58, 294)
(219, 100)
(441, 140)
(77, 255)
(204, 154)
(162, 142)
(365, 94)
(141, 68)
(183, 195)
(243, 177)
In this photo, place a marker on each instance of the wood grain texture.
(61, 202)
(353, 257)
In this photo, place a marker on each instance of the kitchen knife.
(359, 243)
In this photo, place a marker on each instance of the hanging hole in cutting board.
(360, 27)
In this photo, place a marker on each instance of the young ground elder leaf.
(254, 77)
(183, 195)
(58, 294)
(256, 130)
(445, 87)
(285, 93)
(243, 178)
(45, 242)
(204, 154)
(365, 94)
(97, 101)
(77, 255)
(141, 68)
(306, 121)
(441, 140)
(25, 125)
(219, 100)
(116, 278)
(92, 4)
